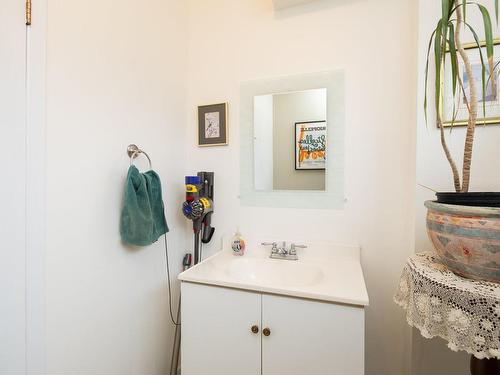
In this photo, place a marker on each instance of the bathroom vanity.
(255, 315)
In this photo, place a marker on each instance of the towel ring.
(133, 151)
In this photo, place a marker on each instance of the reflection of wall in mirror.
(263, 142)
(290, 108)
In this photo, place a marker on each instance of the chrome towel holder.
(133, 151)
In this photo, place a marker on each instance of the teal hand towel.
(143, 216)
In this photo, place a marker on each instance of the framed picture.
(454, 110)
(212, 125)
(310, 145)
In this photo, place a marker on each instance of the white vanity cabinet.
(216, 336)
(291, 336)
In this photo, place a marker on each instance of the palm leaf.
(445, 16)
(454, 67)
(454, 58)
(496, 10)
(438, 59)
(488, 32)
(427, 68)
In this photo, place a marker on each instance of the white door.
(13, 187)
(217, 337)
(307, 337)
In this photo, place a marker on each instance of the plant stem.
(456, 178)
(471, 125)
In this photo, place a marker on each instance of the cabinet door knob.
(255, 329)
(266, 331)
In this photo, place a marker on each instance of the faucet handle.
(269, 243)
(275, 248)
(274, 244)
(294, 247)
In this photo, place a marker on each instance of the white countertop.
(324, 272)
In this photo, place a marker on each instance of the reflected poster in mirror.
(310, 145)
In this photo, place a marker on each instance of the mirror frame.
(333, 195)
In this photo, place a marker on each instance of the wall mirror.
(292, 141)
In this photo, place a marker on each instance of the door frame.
(36, 212)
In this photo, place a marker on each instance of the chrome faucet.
(280, 251)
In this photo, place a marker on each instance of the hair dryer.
(199, 208)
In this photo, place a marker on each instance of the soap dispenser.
(238, 244)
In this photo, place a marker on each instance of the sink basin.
(274, 272)
(323, 272)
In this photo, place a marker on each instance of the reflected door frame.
(31, 164)
(36, 38)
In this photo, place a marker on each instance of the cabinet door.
(308, 337)
(216, 331)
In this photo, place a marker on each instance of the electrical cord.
(173, 370)
(201, 250)
(175, 322)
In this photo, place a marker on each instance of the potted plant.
(464, 226)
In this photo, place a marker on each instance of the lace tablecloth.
(464, 312)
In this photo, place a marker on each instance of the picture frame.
(310, 145)
(212, 125)
(453, 110)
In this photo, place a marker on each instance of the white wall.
(432, 357)
(116, 74)
(282, 4)
(235, 41)
(13, 189)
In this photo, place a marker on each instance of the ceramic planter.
(467, 239)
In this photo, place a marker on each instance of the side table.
(464, 312)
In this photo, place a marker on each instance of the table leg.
(484, 366)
